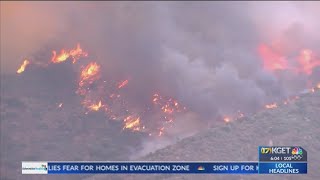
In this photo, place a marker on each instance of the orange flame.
(123, 83)
(77, 53)
(132, 123)
(89, 75)
(89, 72)
(59, 58)
(308, 61)
(23, 66)
(64, 55)
(95, 107)
(271, 60)
(155, 98)
(161, 131)
(318, 86)
(271, 106)
(167, 109)
(168, 105)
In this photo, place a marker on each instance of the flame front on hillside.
(23, 66)
(271, 106)
(93, 91)
(98, 96)
(274, 61)
(75, 54)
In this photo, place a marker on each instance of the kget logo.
(275, 150)
(266, 150)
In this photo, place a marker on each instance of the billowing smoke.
(205, 54)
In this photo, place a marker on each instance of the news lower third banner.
(272, 160)
(282, 160)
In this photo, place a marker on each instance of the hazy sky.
(27, 26)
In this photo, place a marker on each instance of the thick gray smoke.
(202, 53)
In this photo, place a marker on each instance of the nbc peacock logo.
(201, 168)
(297, 151)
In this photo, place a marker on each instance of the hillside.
(294, 124)
(34, 127)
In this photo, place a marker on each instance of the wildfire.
(166, 108)
(168, 105)
(94, 96)
(271, 106)
(89, 73)
(272, 60)
(95, 107)
(75, 54)
(132, 123)
(169, 108)
(59, 58)
(308, 61)
(123, 83)
(23, 66)
(161, 131)
(155, 98)
(291, 99)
